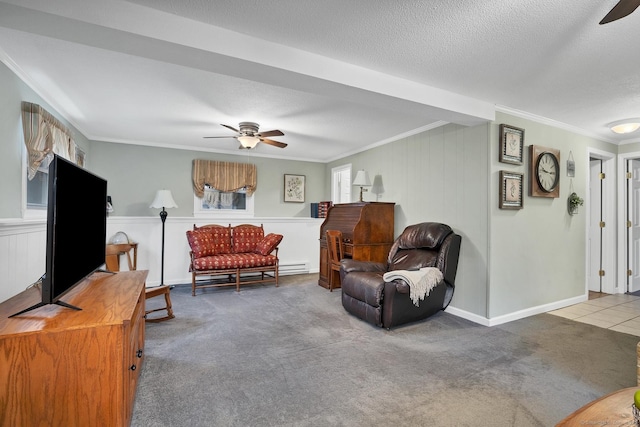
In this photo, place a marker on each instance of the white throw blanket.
(420, 281)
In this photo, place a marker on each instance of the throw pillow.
(268, 244)
(246, 237)
(207, 241)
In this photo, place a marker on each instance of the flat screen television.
(76, 230)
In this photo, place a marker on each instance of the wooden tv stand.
(66, 367)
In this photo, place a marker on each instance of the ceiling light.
(248, 141)
(625, 126)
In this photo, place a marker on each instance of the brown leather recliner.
(366, 295)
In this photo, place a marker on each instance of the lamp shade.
(362, 178)
(163, 199)
(625, 126)
(248, 141)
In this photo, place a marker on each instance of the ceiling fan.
(620, 10)
(249, 136)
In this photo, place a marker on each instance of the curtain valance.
(44, 135)
(224, 176)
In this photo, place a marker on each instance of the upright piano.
(367, 232)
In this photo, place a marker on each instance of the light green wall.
(440, 175)
(134, 173)
(538, 253)
(511, 260)
(12, 92)
(629, 148)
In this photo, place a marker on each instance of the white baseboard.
(521, 314)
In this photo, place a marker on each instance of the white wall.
(22, 255)
(23, 247)
(299, 251)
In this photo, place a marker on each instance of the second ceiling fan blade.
(620, 10)
(274, 143)
(274, 132)
(232, 128)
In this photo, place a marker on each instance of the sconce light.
(248, 141)
(362, 180)
(377, 188)
(109, 205)
(625, 126)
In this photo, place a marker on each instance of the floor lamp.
(163, 200)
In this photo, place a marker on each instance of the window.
(37, 189)
(341, 184)
(216, 203)
(44, 136)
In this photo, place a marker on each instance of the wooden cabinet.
(61, 367)
(367, 231)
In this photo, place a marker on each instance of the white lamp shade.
(163, 199)
(248, 141)
(362, 178)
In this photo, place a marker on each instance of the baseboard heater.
(293, 268)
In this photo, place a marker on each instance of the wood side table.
(614, 409)
(113, 252)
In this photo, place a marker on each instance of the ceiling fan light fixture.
(625, 126)
(248, 141)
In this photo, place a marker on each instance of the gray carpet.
(291, 356)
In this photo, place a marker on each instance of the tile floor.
(618, 312)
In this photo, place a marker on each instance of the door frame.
(622, 217)
(610, 262)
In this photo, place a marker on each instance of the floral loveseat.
(242, 253)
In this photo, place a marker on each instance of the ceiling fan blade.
(271, 133)
(233, 129)
(274, 143)
(620, 10)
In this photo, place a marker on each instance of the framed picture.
(511, 190)
(511, 144)
(294, 188)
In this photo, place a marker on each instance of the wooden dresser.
(61, 367)
(367, 232)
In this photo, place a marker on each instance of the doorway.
(594, 276)
(601, 256)
(632, 174)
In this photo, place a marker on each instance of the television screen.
(76, 229)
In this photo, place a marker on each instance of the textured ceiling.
(334, 76)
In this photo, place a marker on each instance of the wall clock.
(544, 178)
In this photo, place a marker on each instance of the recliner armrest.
(348, 265)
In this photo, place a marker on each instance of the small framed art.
(294, 188)
(511, 144)
(511, 190)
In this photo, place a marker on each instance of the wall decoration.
(511, 184)
(573, 203)
(294, 188)
(544, 169)
(571, 166)
(511, 144)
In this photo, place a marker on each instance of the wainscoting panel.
(23, 247)
(299, 251)
(22, 255)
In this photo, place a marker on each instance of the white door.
(595, 232)
(634, 216)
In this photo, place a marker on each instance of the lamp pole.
(163, 218)
(163, 200)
